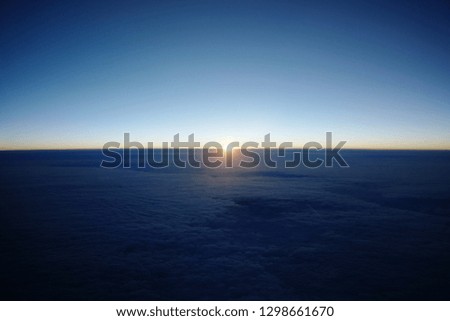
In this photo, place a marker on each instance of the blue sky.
(76, 75)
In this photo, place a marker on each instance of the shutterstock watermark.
(190, 153)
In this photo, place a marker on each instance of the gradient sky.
(76, 75)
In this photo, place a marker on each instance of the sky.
(80, 74)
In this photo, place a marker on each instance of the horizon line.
(200, 148)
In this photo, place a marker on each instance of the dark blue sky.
(79, 74)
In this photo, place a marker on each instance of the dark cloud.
(72, 230)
